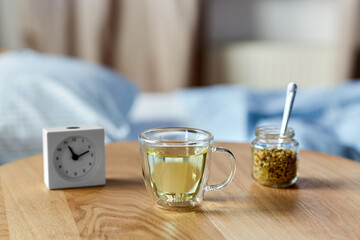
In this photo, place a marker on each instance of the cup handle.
(232, 173)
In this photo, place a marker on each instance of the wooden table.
(323, 204)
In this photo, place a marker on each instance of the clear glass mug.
(176, 165)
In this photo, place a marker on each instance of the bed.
(39, 91)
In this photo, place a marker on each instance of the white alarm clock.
(74, 157)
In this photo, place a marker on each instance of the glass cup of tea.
(176, 165)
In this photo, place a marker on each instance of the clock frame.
(74, 157)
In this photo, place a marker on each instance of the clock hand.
(72, 152)
(83, 153)
(74, 156)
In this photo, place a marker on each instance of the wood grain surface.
(323, 204)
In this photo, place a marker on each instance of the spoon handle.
(290, 96)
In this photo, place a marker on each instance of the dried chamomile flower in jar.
(275, 159)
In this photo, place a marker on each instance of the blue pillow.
(40, 91)
(325, 120)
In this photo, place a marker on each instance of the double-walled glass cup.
(176, 164)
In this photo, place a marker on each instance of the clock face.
(74, 157)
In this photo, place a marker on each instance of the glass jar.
(275, 157)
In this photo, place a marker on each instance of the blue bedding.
(39, 91)
(325, 120)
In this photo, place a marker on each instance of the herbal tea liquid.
(176, 172)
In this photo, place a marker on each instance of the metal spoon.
(290, 97)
